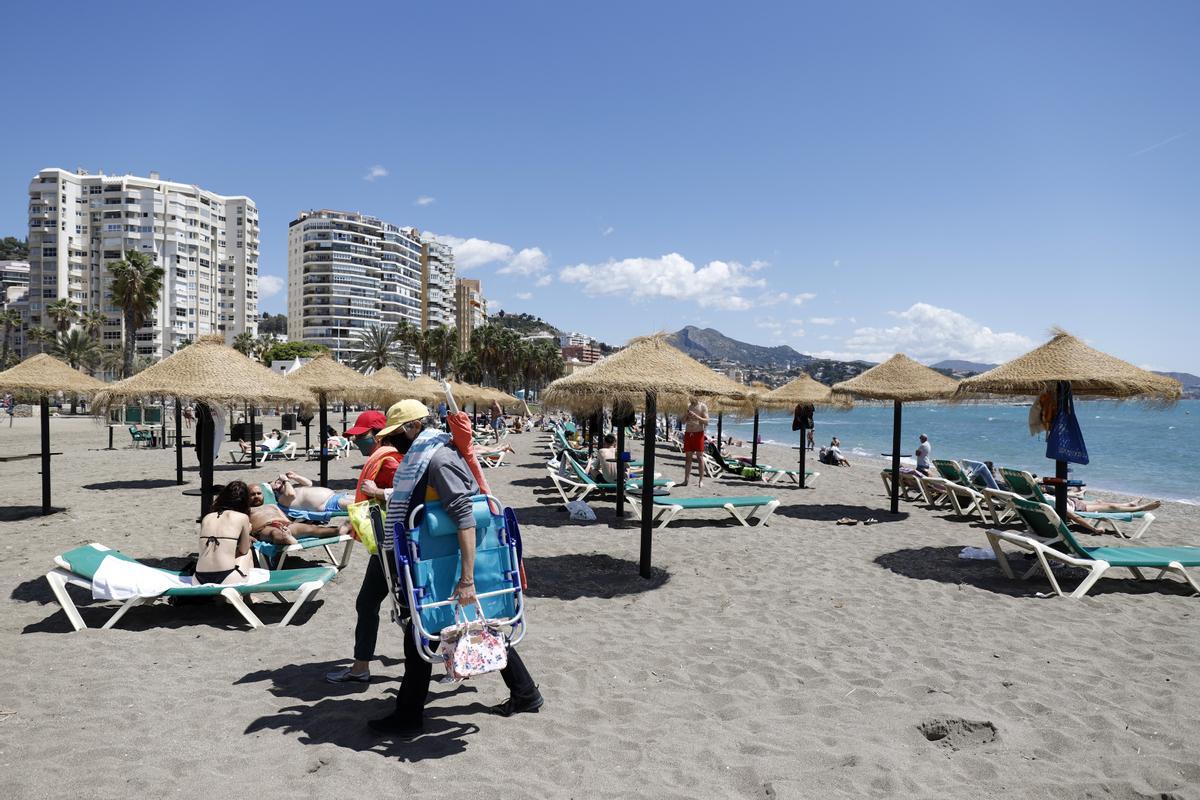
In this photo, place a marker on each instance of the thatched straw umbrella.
(38, 377)
(802, 391)
(428, 390)
(642, 375)
(396, 387)
(213, 375)
(329, 380)
(901, 380)
(1069, 367)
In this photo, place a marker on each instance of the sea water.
(1134, 449)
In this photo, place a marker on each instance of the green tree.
(287, 351)
(64, 313)
(9, 318)
(14, 249)
(379, 348)
(40, 336)
(93, 322)
(443, 347)
(245, 343)
(136, 286)
(78, 350)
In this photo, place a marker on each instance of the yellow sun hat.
(402, 412)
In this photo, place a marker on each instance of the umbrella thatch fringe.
(42, 374)
(325, 376)
(898, 378)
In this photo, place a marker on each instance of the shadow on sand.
(22, 513)
(576, 575)
(331, 714)
(830, 512)
(943, 565)
(149, 483)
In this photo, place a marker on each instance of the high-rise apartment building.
(438, 301)
(348, 271)
(206, 243)
(470, 309)
(14, 281)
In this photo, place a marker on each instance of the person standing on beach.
(924, 464)
(694, 425)
(435, 470)
(383, 459)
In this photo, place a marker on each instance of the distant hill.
(1189, 381)
(955, 365)
(709, 344)
(524, 324)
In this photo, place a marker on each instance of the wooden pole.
(323, 441)
(896, 414)
(206, 434)
(648, 483)
(253, 439)
(45, 425)
(178, 441)
(620, 469)
(720, 441)
(754, 447)
(803, 432)
(163, 418)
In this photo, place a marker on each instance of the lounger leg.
(1143, 527)
(1001, 556)
(666, 514)
(306, 591)
(1041, 557)
(736, 515)
(58, 584)
(128, 604)
(345, 559)
(766, 511)
(1178, 569)
(235, 599)
(1094, 575)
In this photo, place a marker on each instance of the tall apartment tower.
(348, 271)
(438, 301)
(470, 309)
(207, 244)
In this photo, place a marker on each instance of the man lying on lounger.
(270, 523)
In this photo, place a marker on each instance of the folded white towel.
(118, 579)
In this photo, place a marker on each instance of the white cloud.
(529, 261)
(609, 231)
(375, 171)
(772, 298)
(472, 253)
(269, 285)
(803, 297)
(837, 262)
(545, 280)
(524, 295)
(425, 200)
(716, 284)
(822, 320)
(798, 333)
(929, 333)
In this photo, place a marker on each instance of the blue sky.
(945, 179)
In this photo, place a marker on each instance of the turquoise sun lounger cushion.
(270, 550)
(714, 502)
(84, 561)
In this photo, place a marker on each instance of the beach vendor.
(434, 469)
(383, 459)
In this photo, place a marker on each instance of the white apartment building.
(347, 271)
(207, 244)
(574, 339)
(438, 301)
(14, 281)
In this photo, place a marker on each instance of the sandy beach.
(800, 659)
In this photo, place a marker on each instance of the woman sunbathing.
(225, 556)
(1077, 506)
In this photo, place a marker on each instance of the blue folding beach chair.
(428, 565)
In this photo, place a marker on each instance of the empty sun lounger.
(671, 507)
(1048, 529)
(966, 500)
(79, 566)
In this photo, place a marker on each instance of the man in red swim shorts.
(694, 426)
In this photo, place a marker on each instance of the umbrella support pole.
(896, 415)
(206, 434)
(720, 419)
(648, 484)
(754, 447)
(178, 441)
(163, 438)
(1060, 491)
(323, 442)
(45, 425)
(620, 467)
(253, 439)
(803, 432)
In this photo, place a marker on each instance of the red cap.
(368, 421)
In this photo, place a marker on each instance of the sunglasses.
(416, 423)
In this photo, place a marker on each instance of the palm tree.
(136, 286)
(244, 343)
(443, 347)
(93, 322)
(378, 344)
(111, 359)
(41, 336)
(406, 335)
(63, 312)
(262, 344)
(78, 350)
(9, 318)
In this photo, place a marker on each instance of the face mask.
(365, 444)
(405, 442)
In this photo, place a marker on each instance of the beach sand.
(801, 659)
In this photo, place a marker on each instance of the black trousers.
(371, 594)
(414, 686)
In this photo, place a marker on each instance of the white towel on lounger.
(118, 579)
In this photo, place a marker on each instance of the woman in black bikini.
(225, 537)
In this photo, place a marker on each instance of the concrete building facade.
(348, 271)
(470, 310)
(207, 244)
(438, 299)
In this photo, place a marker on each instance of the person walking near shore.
(694, 426)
